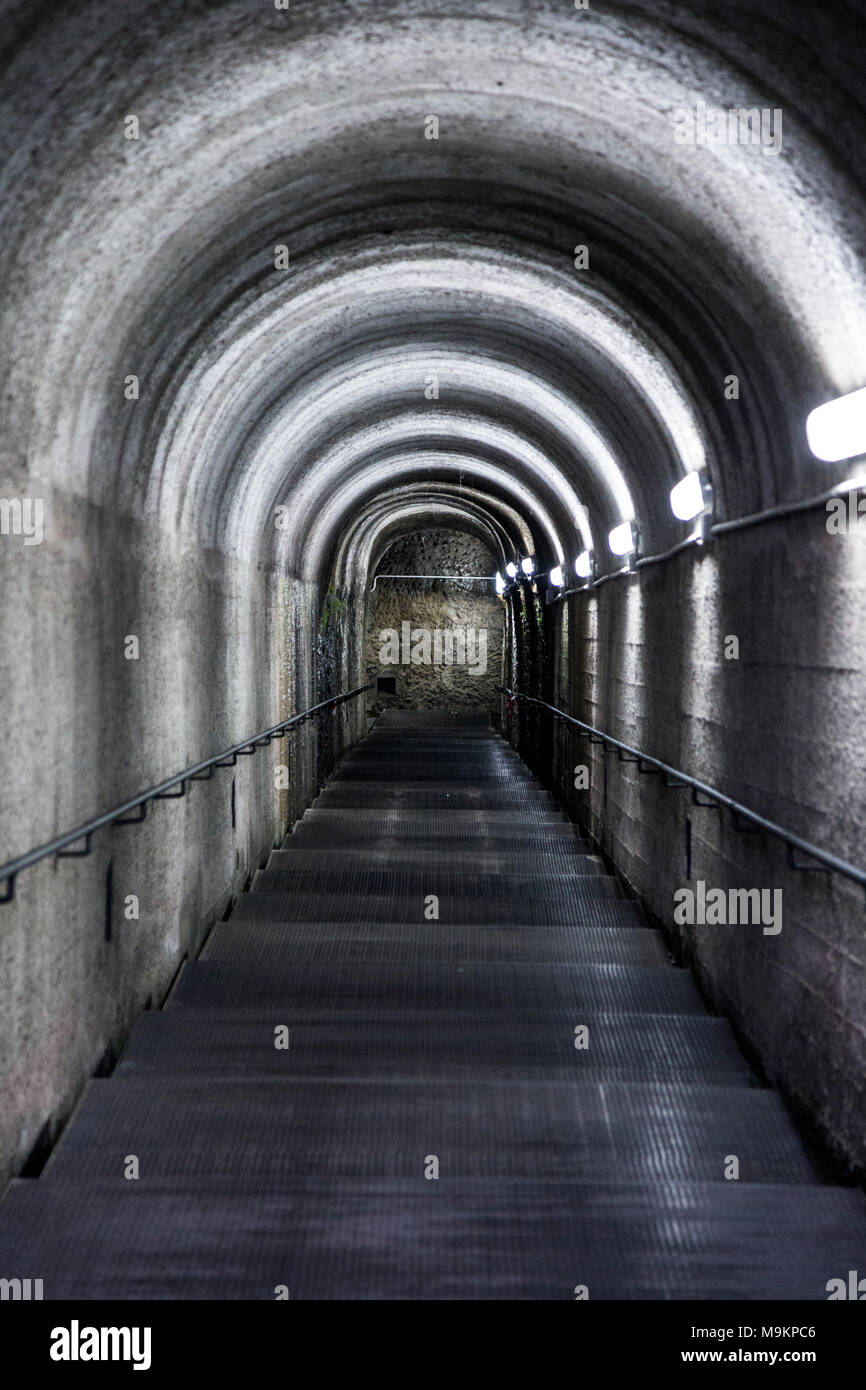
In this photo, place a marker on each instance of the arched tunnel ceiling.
(396, 515)
(413, 506)
(572, 397)
(417, 505)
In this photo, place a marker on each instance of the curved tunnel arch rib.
(380, 466)
(663, 426)
(550, 104)
(370, 532)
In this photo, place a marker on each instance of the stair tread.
(560, 858)
(437, 1043)
(569, 905)
(510, 990)
(384, 1127)
(495, 796)
(447, 1239)
(431, 942)
(410, 880)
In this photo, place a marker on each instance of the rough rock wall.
(471, 613)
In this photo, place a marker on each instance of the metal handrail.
(162, 791)
(672, 777)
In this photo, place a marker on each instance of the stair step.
(409, 720)
(325, 837)
(436, 753)
(440, 943)
(504, 991)
(444, 828)
(438, 766)
(511, 823)
(521, 803)
(382, 1128)
(444, 777)
(492, 896)
(447, 751)
(558, 857)
(450, 1239)
(346, 904)
(441, 1044)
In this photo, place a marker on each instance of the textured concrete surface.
(780, 730)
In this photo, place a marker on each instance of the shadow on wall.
(437, 643)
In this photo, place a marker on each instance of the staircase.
(420, 1044)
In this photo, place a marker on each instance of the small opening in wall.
(386, 685)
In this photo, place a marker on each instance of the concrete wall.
(781, 730)
(441, 606)
(224, 650)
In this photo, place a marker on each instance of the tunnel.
(433, 625)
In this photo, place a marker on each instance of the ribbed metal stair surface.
(524, 804)
(405, 943)
(401, 1238)
(410, 883)
(348, 906)
(416, 828)
(421, 1042)
(439, 1044)
(556, 858)
(406, 829)
(501, 988)
(379, 1128)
